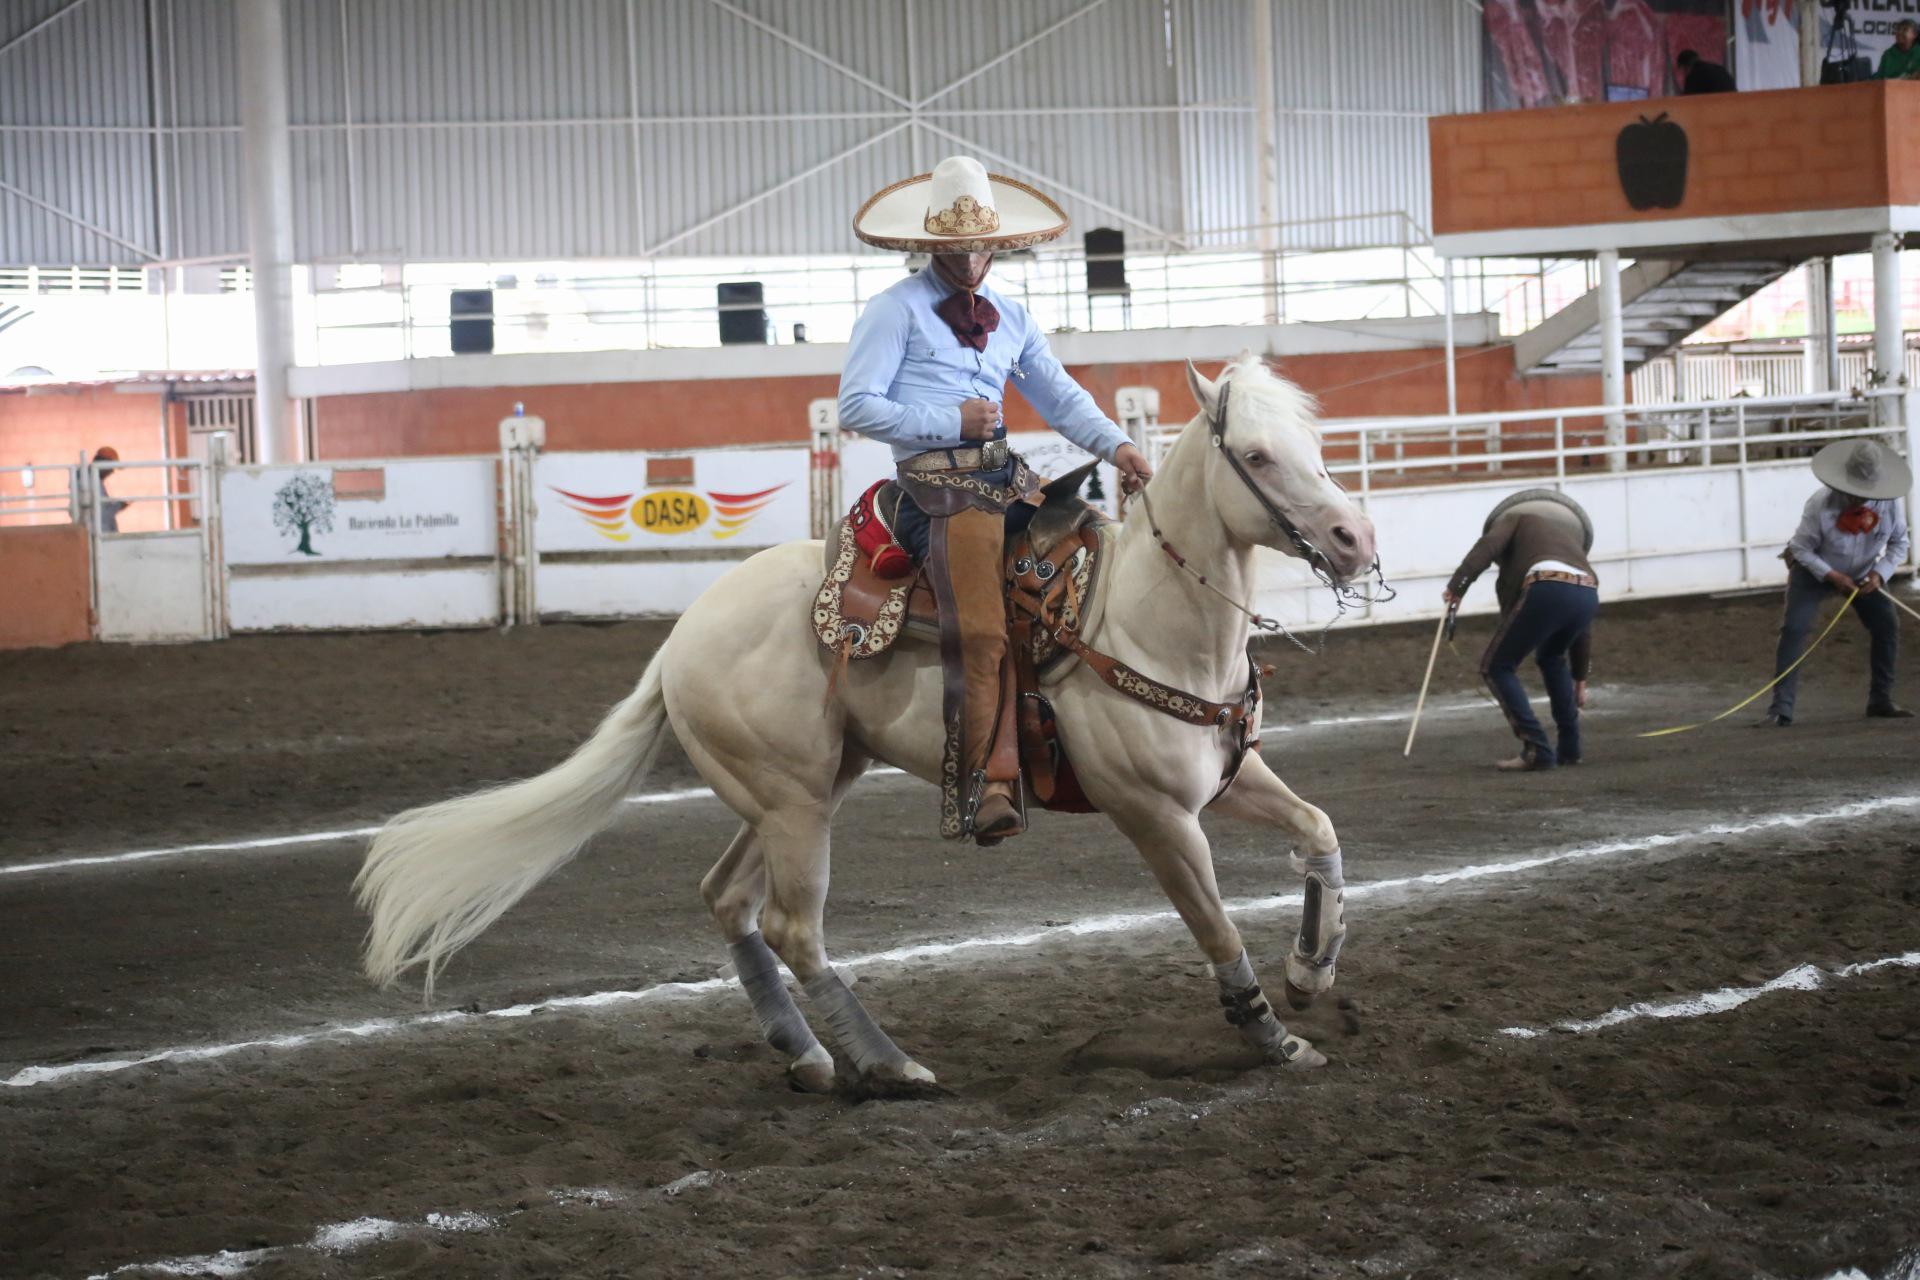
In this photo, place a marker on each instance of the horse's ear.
(1068, 485)
(1205, 394)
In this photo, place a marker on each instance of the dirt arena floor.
(1097, 1117)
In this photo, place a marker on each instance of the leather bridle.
(1317, 560)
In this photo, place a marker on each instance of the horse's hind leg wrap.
(854, 1030)
(1323, 924)
(780, 1019)
(1247, 1008)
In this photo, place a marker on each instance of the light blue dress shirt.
(907, 373)
(1820, 546)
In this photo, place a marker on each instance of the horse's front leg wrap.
(1323, 928)
(1247, 1008)
(855, 1031)
(779, 1017)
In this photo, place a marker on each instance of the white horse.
(743, 682)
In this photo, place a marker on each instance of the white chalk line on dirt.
(28, 1077)
(1805, 977)
(340, 1238)
(651, 797)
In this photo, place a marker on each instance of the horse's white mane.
(1272, 394)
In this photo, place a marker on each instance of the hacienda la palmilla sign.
(616, 516)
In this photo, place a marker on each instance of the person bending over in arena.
(1548, 597)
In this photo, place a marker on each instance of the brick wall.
(56, 426)
(677, 415)
(1791, 150)
(45, 598)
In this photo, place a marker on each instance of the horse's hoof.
(912, 1073)
(1297, 1000)
(1295, 1054)
(812, 1072)
(908, 1083)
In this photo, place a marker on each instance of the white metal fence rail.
(1705, 496)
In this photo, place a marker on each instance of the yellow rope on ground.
(1838, 614)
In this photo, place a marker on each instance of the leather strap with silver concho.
(990, 456)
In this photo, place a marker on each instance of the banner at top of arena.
(1544, 54)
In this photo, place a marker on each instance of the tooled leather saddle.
(1052, 574)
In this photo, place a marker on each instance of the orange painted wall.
(55, 426)
(44, 600)
(680, 415)
(1831, 147)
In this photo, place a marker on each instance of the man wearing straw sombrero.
(1852, 537)
(926, 370)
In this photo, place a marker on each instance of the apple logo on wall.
(1652, 156)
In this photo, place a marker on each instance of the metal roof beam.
(774, 190)
(1013, 52)
(811, 52)
(43, 24)
(75, 219)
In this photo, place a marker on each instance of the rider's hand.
(1842, 581)
(1580, 694)
(1871, 583)
(1133, 468)
(979, 419)
(1446, 594)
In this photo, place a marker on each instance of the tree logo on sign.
(304, 504)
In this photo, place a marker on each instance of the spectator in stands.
(1852, 537)
(1697, 75)
(1901, 61)
(110, 508)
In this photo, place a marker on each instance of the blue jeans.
(1545, 621)
(1804, 596)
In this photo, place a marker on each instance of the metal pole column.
(1823, 339)
(260, 28)
(1446, 286)
(1613, 363)
(1889, 344)
(1265, 164)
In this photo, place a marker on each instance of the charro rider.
(1548, 596)
(1852, 536)
(926, 370)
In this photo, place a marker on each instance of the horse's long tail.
(436, 876)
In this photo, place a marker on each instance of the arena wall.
(44, 591)
(773, 410)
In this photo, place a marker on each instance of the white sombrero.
(958, 208)
(1863, 468)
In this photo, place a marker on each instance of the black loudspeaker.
(1106, 260)
(471, 314)
(742, 318)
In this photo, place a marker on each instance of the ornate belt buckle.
(993, 455)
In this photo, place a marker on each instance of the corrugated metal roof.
(508, 129)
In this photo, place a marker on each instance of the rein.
(1344, 595)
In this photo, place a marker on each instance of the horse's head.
(1265, 474)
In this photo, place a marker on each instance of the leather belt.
(990, 456)
(1555, 575)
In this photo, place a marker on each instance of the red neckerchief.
(1860, 519)
(970, 316)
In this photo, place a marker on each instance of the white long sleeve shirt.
(1820, 546)
(907, 373)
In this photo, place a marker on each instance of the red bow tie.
(1860, 519)
(970, 316)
